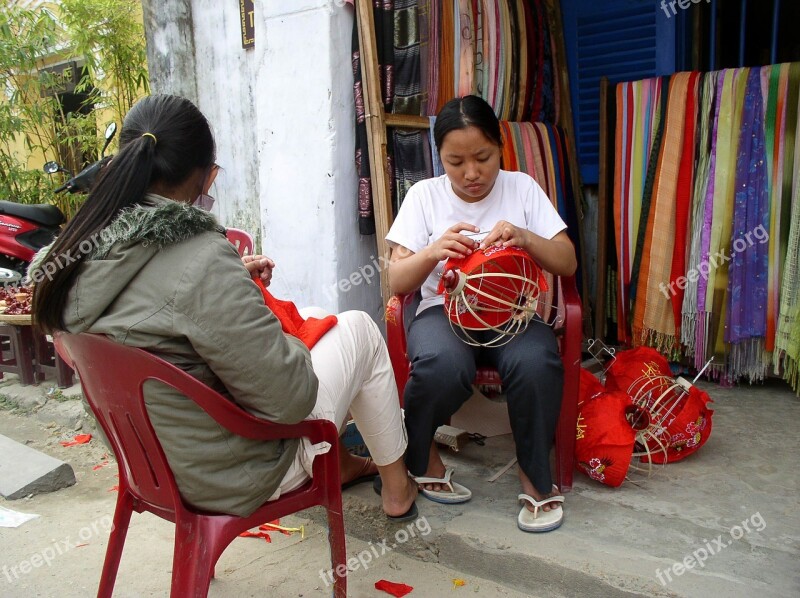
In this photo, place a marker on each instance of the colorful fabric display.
(706, 185)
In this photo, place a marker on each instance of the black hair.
(469, 111)
(164, 139)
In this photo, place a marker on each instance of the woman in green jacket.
(140, 264)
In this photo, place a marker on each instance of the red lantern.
(604, 444)
(634, 365)
(495, 289)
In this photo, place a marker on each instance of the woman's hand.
(453, 244)
(259, 265)
(506, 234)
(556, 255)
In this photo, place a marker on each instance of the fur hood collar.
(158, 221)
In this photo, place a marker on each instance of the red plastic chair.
(112, 376)
(569, 334)
(242, 240)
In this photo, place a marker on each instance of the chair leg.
(116, 542)
(336, 539)
(194, 556)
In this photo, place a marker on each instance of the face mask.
(204, 202)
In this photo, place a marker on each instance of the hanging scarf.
(465, 75)
(705, 266)
(770, 84)
(447, 56)
(434, 55)
(690, 313)
(640, 233)
(747, 277)
(787, 341)
(408, 96)
(731, 110)
(683, 201)
(620, 202)
(653, 320)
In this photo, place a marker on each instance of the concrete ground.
(723, 522)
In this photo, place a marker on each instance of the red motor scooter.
(26, 228)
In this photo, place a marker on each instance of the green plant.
(105, 41)
(25, 114)
(109, 36)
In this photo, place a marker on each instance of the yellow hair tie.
(155, 141)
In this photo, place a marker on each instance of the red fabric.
(588, 387)
(690, 428)
(309, 331)
(683, 198)
(634, 364)
(395, 589)
(604, 443)
(259, 534)
(79, 439)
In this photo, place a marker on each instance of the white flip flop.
(539, 520)
(457, 493)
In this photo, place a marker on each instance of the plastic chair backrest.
(242, 240)
(112, 376)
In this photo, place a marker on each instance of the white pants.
(355, 375)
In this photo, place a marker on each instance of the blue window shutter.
(623, 40)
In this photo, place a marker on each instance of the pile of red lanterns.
(642, 416)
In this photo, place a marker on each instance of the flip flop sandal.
(456, 495)
(410, 515)
(361, 477)
(540, 520)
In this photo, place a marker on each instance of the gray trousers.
(443, 368)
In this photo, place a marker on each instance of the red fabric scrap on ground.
(395, 589)
(309, 331)
(79, 439)
(249, 534)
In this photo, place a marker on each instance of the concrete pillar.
(282, 114)
(170, 47)
(304, 110)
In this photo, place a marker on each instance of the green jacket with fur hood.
(164, 278)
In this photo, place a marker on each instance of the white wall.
(282, 114)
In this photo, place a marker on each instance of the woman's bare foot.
(399, 491)
(529, 489)
(352, 467)
(436, 469)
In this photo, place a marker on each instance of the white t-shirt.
(431, 207)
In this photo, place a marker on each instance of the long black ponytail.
(164, 139)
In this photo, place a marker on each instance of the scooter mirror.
(51, 167)
(111, 129)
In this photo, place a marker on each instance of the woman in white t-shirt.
(473, 205)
